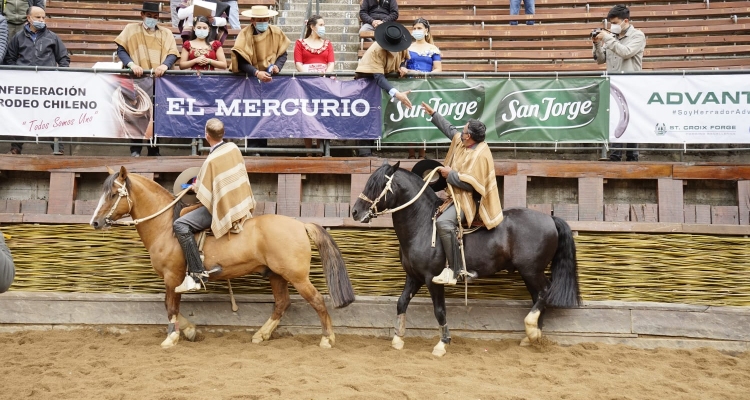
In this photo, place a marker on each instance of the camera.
(595, 32)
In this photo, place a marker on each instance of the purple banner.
(288, 107)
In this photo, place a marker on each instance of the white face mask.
(150, 22)
(201, 33)
(616, 28)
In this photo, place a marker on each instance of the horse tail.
(564, 291)
(339, 285)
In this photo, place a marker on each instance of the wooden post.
(671, 202)
(62, 192)
(590, 199)
(743, 200)
(514, 191)
(289, 195)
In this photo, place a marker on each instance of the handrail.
(598, 73)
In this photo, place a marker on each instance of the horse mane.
(378, 181)
(110, 181)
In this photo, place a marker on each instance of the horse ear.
(109, 170)
(395, 166)
(123, 173)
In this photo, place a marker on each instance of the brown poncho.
(260, 50)
(476, 167)
(148, 49)
(223, 187)
(380, 61)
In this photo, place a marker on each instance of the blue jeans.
(515, 8)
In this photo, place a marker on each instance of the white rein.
(374, 203)
(122, 191)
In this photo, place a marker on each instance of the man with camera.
(621, 48)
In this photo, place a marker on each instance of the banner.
(287, 107)
(74, 104)
(514, 110)
(680, 109)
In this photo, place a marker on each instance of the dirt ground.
(98, 364)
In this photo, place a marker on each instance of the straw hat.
(260, 12)
(187, 176)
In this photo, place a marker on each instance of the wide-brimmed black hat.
(150, 6)
(424, 167)
(393, 36)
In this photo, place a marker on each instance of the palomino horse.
(526, 241)
(271, 244)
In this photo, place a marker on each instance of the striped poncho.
(223, 187)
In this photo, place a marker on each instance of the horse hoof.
(397, 342)
(171, 340)
(257, 338)
(525, 342)
(189, 333)
(325, 343)
(534, 335)
(439, 350)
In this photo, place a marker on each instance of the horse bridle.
(122, 191)
(373, 210)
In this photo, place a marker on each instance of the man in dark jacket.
(37, 46)
(375, 12)
(15, 11)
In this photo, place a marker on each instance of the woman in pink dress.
(314, 53)
(203, 52)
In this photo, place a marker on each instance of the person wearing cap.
(260, 50)
(35, 45)
(622, 50)
(147, 46)
(223, 189)
(387, 55)
(470, 172)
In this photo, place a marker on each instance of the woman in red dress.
(203, 51)
(313, 53)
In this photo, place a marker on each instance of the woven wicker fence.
(674, 268)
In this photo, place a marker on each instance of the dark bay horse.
(273, 244)
(526, 241)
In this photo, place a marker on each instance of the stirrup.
(445, 278)
(189, 284)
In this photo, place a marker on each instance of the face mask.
(261, 26)
(321, 31)
(201, 33)
(38, 25)
(418, 35)
(150, 22)
(616, 29)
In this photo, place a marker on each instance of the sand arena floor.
(95, 363)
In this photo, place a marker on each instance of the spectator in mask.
(217, 24)
(144, 46)
(622, 50)
(202, 52)
(16, 11)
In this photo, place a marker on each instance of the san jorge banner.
(74, 104)
(287, 107)
(514, 110)
(680, 109)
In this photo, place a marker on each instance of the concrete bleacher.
(475, 35)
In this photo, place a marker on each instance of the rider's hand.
(403, 98)
(263, 76)
(275, 69)
(160, 70)
(137, 70)
(427, 108)
(402, 72)
(445, 171)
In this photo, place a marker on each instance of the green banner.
(514, 110)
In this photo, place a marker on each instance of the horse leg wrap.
(170, 328)
(401, 325)
(445, 335)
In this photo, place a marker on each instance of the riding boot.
(452, 254)
(194, 279)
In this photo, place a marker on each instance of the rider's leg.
(446, 225)
(184, 229)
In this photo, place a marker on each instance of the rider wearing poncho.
(470, 171)
(223, 188)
